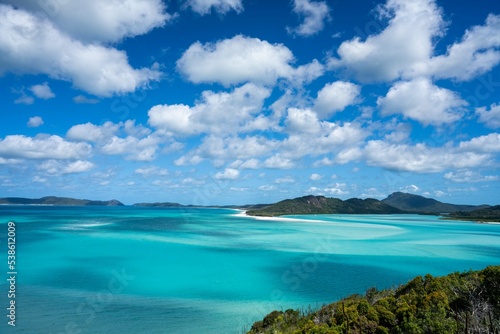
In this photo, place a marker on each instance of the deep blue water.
(151, 270)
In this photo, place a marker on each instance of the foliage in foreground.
(458, 303)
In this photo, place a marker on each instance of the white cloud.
(103, 21)
(302, 121)
(91, 132)
(59, 56)
(39, 179)
(405, 42)
(204, 7)
(469, 176)
(243, 59)
(81, 99)
(477, 53)
(405, 48)
(315, 177)
(24, 99)
(285, 179)
(35, 122)
(279, 162)
(216, 113)
(410, 189)
(483, 144)
(42, 91)
(228, 174)
(267, 187)
(316, 138)
(314, 13)
(138, 144)
(220, 150)
(420, 158)
(151, 171)
(136, 149)
(245, 164)
(335, 97)
(42, 147)
(337, 189)
(491, 117)
(422, 101)
(55, 167)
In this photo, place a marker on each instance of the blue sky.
(250, 101)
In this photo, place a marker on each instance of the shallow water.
(153, 270)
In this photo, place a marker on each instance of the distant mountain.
(420, 204)
(53, 200)
(490, 214)
(323, 205)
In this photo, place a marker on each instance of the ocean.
(200, 270)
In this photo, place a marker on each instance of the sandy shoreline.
(243, 214)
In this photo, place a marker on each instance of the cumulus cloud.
(151, 171)
(92, 133)
(405, 48)
(242, 59)
(335, 97)
(314, 14)
(228, 174)
(315, 177)
(204, 7)
(483, 144)
(220, 150)
(56, 54)
(309, 136)
(215, 113)
(422, 101)
(55, 167)
(337, 189)
(405, 42)
(133, 141)
(477, 53)
(491, 117)
(42, 147)
(102, 21)
(466, 176)
(42, 91)
(35, 122)
(420, 158)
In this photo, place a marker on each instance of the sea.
(132, 270)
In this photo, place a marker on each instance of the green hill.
(323, 205)
(420, 204)
(490, 214)
(458, 303)
(53, 200)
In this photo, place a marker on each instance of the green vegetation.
(53, 200)
(419, 204)
(323, 205)
(458, 303)
(491, 214)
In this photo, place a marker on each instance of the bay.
(200, 270)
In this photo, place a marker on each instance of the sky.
(214, 102)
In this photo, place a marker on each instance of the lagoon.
(200, 270)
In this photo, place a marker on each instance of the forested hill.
(490, 214)
(58, 201)
(458, 303)
(420, 204)
(323, 205)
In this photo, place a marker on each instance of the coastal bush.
(466, 302)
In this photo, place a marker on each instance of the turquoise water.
(149, 270)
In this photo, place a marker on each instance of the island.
(396, 203)
(57, 201)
